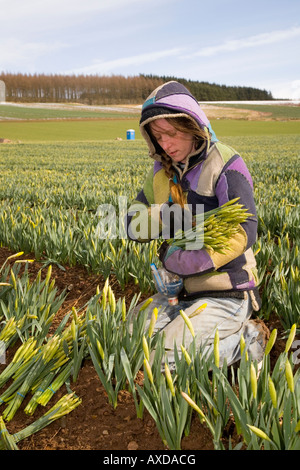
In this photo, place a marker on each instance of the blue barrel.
(130, 134)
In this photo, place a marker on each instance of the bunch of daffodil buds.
(213, 229)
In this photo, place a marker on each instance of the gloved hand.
(174, 218)
(162, 250)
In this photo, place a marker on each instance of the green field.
(254, 128)
(50, 192)
(95, 130)
(54, 177)
(73, 124)
(67, 131)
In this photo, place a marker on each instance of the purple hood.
(172, 99)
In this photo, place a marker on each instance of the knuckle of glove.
(162, 250)
(175, 218)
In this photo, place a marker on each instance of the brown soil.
(95, 425)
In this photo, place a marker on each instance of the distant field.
(8, 111)
(111, 129)
(275, 111)
(233, 127)
(70, 122)
(63, 131)
(37, 111)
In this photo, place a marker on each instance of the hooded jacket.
(211, 176)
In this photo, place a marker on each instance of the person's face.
(177, 145)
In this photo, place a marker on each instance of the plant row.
(120, 341)
(50, 197)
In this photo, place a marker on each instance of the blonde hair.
(201, 137)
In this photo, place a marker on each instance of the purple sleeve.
(188, 262)
(234, 181)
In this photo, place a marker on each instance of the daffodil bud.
(259, 433)
(271, 341)
(290, 338)
(186, 355)
(289, 376)
(188, 322)
(169, 380)
(152, 322)
(193, 405)
(148, 370)
(146, 349)
(253, 380)
(272, 392)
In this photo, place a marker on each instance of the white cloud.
(289, 89)
(252, 41)
(14, 51)
(117, 36)
(101, 67)
(28, 8)
(34, 12)
(32, 19)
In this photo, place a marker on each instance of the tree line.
(113, 89)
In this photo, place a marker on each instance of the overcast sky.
(249, 43)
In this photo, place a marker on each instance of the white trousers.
(229, 315)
